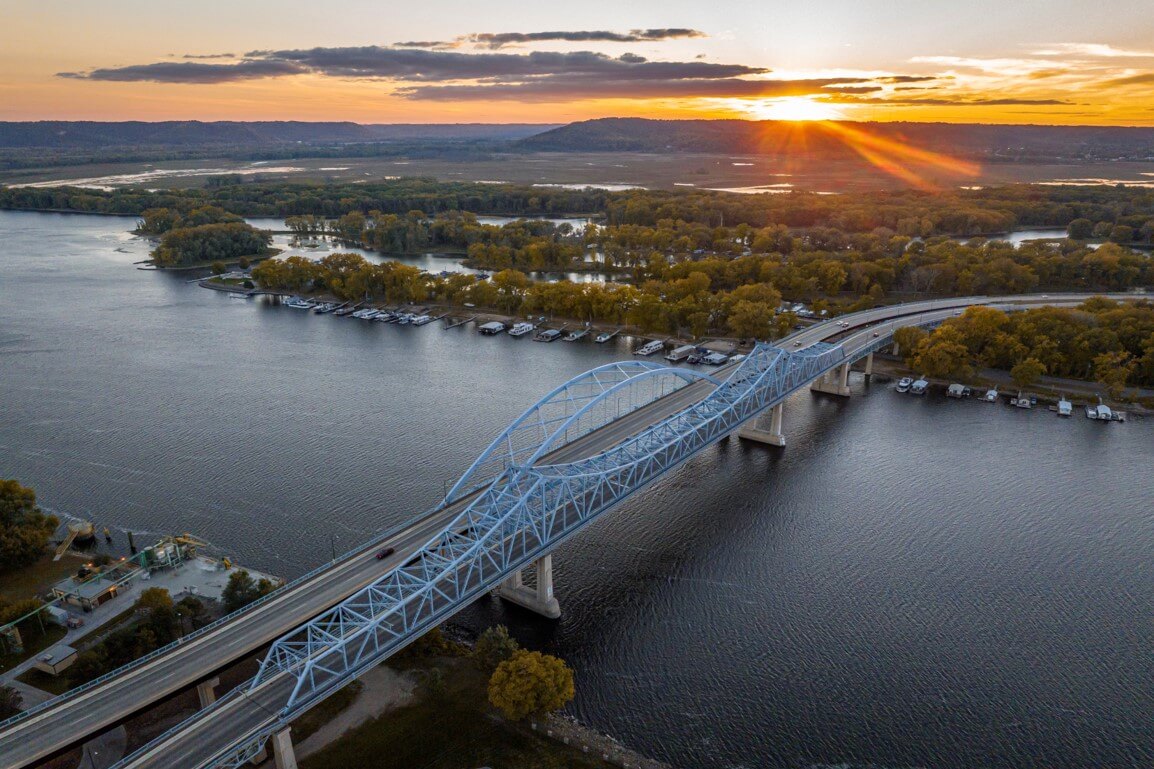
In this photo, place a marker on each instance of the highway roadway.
(75, 718)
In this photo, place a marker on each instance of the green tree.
(242, 590)
(1080, 229)
(89, 665)
(153, 598)
(24, 528)
(494, 646)
(1027, 372)
(11, 702)
(192, 608)
(530, 683)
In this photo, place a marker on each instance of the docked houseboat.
(492, 327)
(715, 359)
(1065, 407)
(681, 353)
(603, 337)
(919, 387)
(649, 348)
(420, 320)
(520, 329)
(991, 395)
(956, 390)
(1023, 401)
(904, 384)
(547, 335)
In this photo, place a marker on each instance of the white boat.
(681, 353)
(520, 329)
(297, 303)
(715, 359)
(649, 348)
(235, 295)
(1065, 407)
(386, 316)
(603, 337)
(904, 384)
(420, 320)
(371, 314)
(957, 390)
(1023, 401)
(991, 395)
(577, 336)
(405, 318)
(919, 387)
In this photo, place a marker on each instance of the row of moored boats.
(356, 311)
(1064, 407)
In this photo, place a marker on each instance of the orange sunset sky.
(1058, 62)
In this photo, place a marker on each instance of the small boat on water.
(991, 395)
(1065, 407)
(649, 348)
(1022, 401)
(548, 335)
(238, 295)
(297, 303)
(1104, 413)
(904, 384)
(576, 336)
(520, 329)
(919, 387)
(322, 309)
(420, 320)
(404, 318)
(603, 337)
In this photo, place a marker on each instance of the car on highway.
(385, 553)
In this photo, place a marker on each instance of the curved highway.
(73, 718)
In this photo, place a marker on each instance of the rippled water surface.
(911, 582)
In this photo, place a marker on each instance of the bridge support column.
(206, 691)
(897, 350)
(869, 365)
(773, 436)
(833, 382)
(283, 755)
(539, 599)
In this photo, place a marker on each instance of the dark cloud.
(495, 40)
(415, 65)
(564, 88)
(906, 78)
(501, 39)
(190, 72)
(209, 56)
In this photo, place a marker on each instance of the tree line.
(1105, 341)
(913, 213)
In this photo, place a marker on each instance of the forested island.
(698, 263)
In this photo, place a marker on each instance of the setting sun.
(795, 108)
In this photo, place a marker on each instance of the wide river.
(910, 583)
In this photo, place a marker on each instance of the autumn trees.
(210, 243)
(530, 683)
(1104, 341)
(24, 528)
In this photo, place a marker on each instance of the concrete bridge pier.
(283, 755)
(773, 436)
(539, 599)
(869, 365)
(206, 691)
(833, 382)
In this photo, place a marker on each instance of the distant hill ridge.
(65, 134)
(771, 137)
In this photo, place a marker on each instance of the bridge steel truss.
(525, 509)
